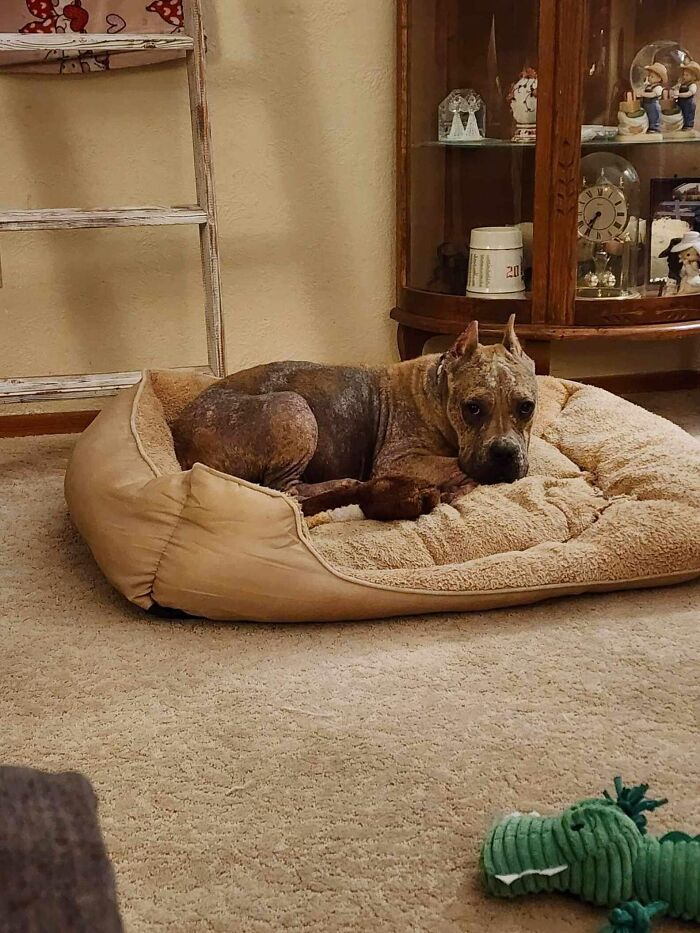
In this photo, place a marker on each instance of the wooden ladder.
(203, 214)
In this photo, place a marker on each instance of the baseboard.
(55, 422)
(629, 383)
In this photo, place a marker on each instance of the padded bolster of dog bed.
(612, 502)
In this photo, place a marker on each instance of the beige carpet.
(331, 777)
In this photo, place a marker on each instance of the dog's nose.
(503, 451)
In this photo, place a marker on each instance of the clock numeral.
(600, 192)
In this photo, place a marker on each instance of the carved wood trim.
(631, 311)
(447, 325)
(559, 116)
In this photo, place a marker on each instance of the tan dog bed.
(612, 501)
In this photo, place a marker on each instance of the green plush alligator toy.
(599, 850)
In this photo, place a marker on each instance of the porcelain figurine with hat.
(689, 255)
(650, 94)
(685, 93)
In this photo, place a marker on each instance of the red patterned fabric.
(86, 16)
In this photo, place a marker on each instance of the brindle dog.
(395, 441)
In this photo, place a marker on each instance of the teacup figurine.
(523, 102)
(656, 77)
(686, 91)
(689, 254)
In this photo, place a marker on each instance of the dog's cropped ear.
(466, 343)
(510, 338)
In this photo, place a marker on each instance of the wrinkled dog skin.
(396, 441)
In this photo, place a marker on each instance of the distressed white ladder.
(203, 214)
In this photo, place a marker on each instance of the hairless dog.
(394, 440)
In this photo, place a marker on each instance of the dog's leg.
(443, 472)
(384, 498)
(454, 490)
(333, 494)
(267, 439)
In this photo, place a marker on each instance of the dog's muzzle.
(502, 461)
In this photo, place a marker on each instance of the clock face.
(602, 213)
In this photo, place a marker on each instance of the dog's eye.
(473, 409)
(526, 408)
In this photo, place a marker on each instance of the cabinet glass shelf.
(475, 144)
(587, 144)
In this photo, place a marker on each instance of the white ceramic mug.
(495, 261)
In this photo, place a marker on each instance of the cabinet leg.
(411, 341)
(539, 351)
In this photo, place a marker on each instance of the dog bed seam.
(146, 377)
(176, 525)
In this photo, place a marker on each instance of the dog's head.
(490, 395)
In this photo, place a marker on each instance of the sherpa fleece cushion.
(612, 501)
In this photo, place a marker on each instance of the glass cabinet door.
(470, 148)
(638, 218)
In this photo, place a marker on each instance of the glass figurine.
(461, 117)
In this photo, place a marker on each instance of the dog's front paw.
(453, 493)
(397, 497)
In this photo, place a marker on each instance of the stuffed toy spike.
(599, 850)
(634, 917)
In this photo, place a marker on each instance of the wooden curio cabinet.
(588, 57)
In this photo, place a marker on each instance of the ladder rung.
(95, 42)
(51, 388)
(70, 218)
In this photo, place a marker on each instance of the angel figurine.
(451, 125)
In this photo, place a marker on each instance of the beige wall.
(302, 95)
(302, 107)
